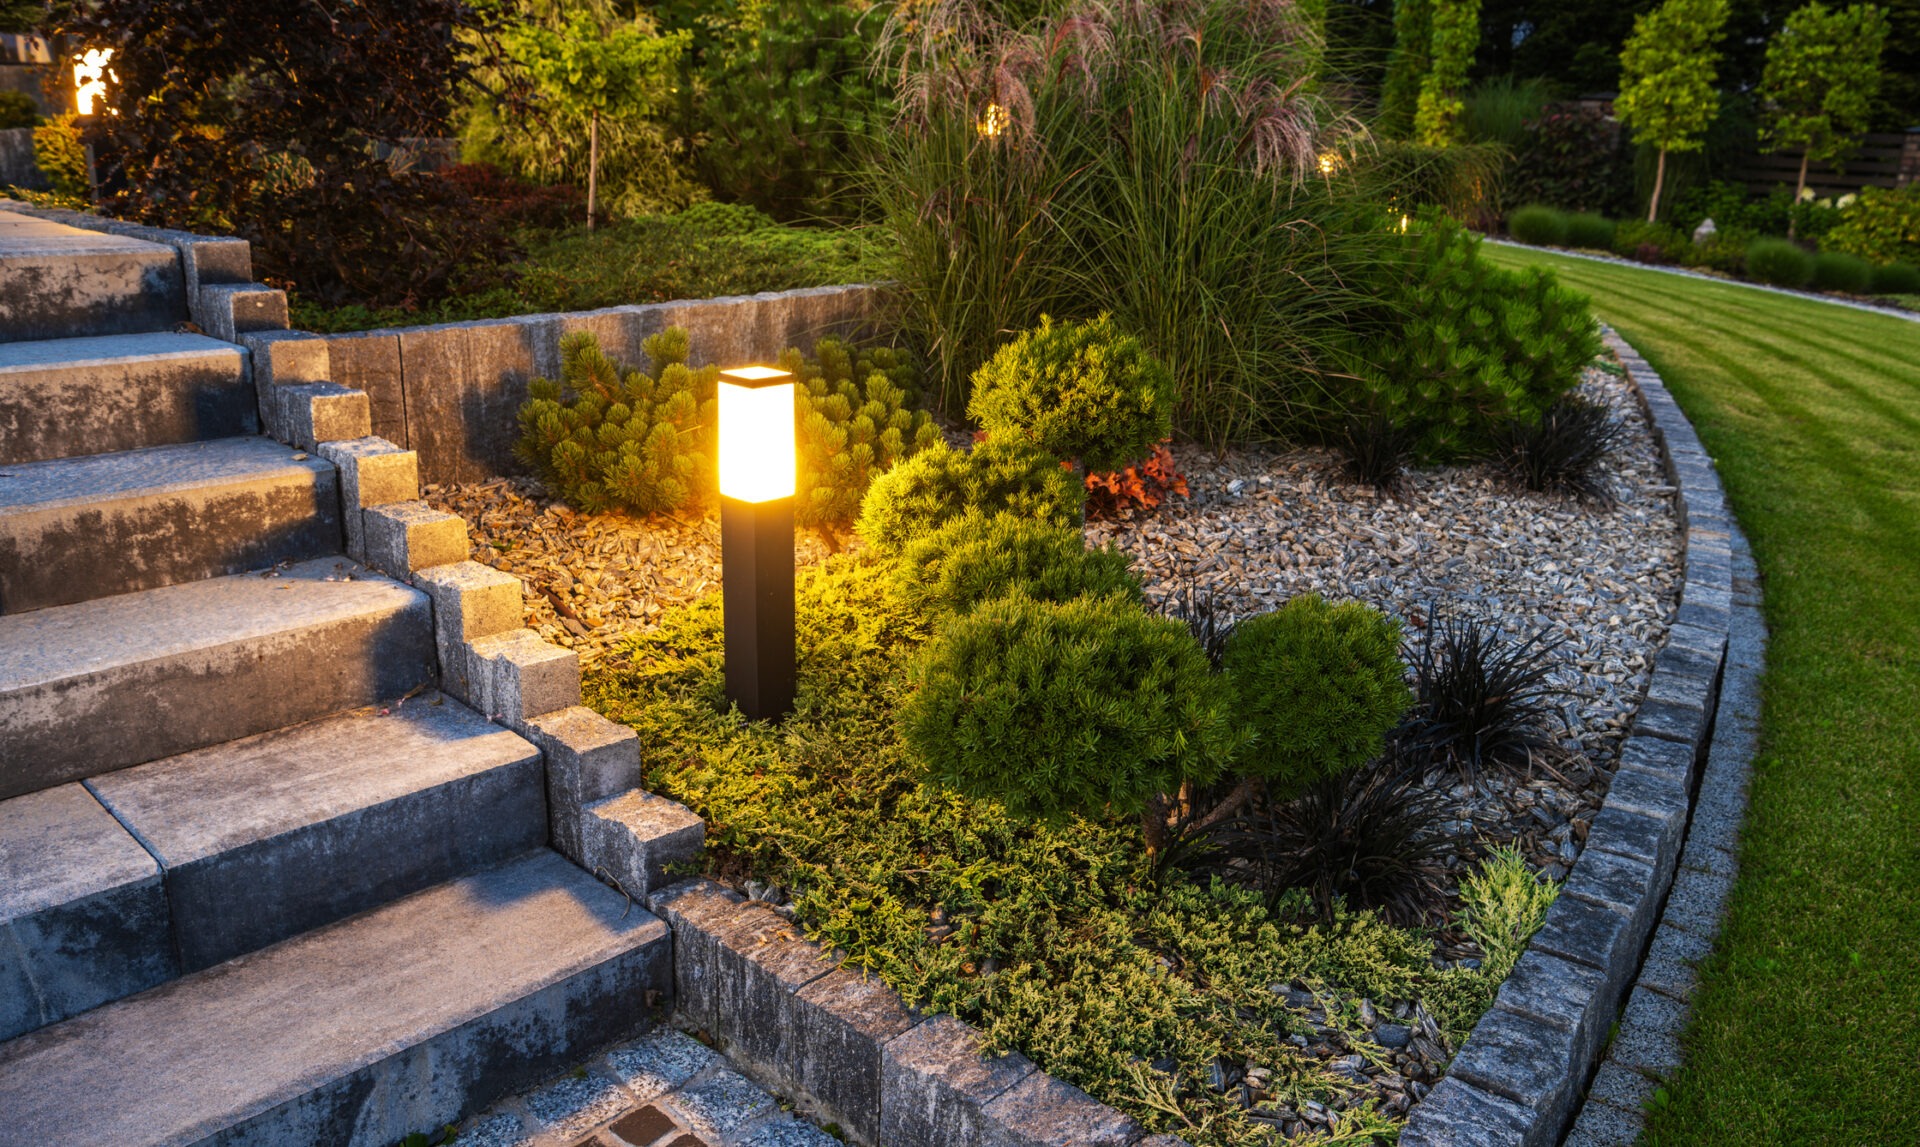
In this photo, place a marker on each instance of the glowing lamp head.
(91, 75)
(757, 461)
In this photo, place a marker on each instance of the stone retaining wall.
(451, 392)
(1524, 1071)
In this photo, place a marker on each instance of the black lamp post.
(758, 470)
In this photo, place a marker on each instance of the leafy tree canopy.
(1667, 95)
(1823, 72)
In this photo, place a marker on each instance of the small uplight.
(757, 460)
(91, 75)
(994, 121)
(1404, 220)
(1329, 162)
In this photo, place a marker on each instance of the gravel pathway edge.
(1637, 911)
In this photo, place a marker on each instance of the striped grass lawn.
(1807, 1027)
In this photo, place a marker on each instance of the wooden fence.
(1885, 159)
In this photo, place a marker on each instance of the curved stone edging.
(1524, 1070)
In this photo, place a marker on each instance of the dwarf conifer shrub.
(1473, 346)
(1082, 391)
(1779, 262)
(1896, 279)
(1585, 229)
(1087, 706)
(600, 437)
(1316, 689)
(1540, 226)
(856, 418)
(981, 557)
(999, 475)
(1839, 271)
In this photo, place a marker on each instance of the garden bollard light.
(758, 470)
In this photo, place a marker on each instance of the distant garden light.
(994, 121)
(758, 474)
(1329, 162)
(91, 75)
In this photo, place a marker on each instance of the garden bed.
(1192, 1004)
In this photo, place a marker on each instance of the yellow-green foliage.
(856, 418)
(1082, 391)
(981, 557)
(602, 438)
(1317, 688)
(941, 483)
(61, 157)
(1504, 905)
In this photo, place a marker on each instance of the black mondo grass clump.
(1371, 838)
(1377, 450)
(1205, 616)
(1561, 451)
(1481, 699)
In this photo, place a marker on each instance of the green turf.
(1804, 1031)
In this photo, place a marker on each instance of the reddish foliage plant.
(1143, 485)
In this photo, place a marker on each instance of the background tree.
(1455, 34)
(1823, 72)
(1667, 95)
(585, 68)
(1407, 67)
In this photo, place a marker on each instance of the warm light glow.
(1404, 220)
(91, 76)
(1329, 162)
(757, 462)
(993, 121)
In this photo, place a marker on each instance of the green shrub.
(1881, 225)
(1896, 279)
(1503, 905)
(1316, 688)
(941, 483)
(855, 419)
(1586, 229)
(980, 557)
(1472, 345)
(61, 157)
(600, 438)
(1839, 271)
(1650, 242)
(17, 110)
(1080, 391)
(1086, 706)
(1725, 251)
(1538, 225)
(1779, 262)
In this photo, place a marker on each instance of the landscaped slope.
(1813, 413)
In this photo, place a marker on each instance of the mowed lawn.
(1807, 1028)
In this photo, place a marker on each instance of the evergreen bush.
(1316, 689)
(1473, 345)
(1585, 229)
(941, 483)
(982, 557)
(1082, 391)
(1779, 262)
(1650, 242)
(1088, 706)
(61, 157)
(1538, 225)
(1896, 279)
(1839, 271)
(18, 110)
(856, 418)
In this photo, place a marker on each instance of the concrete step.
(64, 397)
(60, 282)
(396, 1021)
(90, 688)
(76, 529)
(267, 837)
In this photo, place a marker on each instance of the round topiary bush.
(941, 483)
(1896, 279)
(1538, 225)
(1088, 706)
(978, 558)
(1779, 262)
(1081, 391)
(1316, 689)
(1839, 271)
(1588, 230)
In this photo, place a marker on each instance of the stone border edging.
(1692, 273)
(1524, 1070)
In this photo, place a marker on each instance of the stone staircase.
(296, 820)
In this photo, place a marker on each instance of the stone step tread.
(152, 471)
(22, 235)
(58, 845)
(71, 640)
(108, 351)
(180, 1062)
(198, 804)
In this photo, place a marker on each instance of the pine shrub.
(1896, 279)
(1839, 271)
(856, 418)
(941, 483)
(1779, 262)
(1087, 706)
(979, 557)
(1082, 391)
(18, 110)
(1594, 232)
(1541, 226)
(1474, 345)
(61, 156)
(1316, 689)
